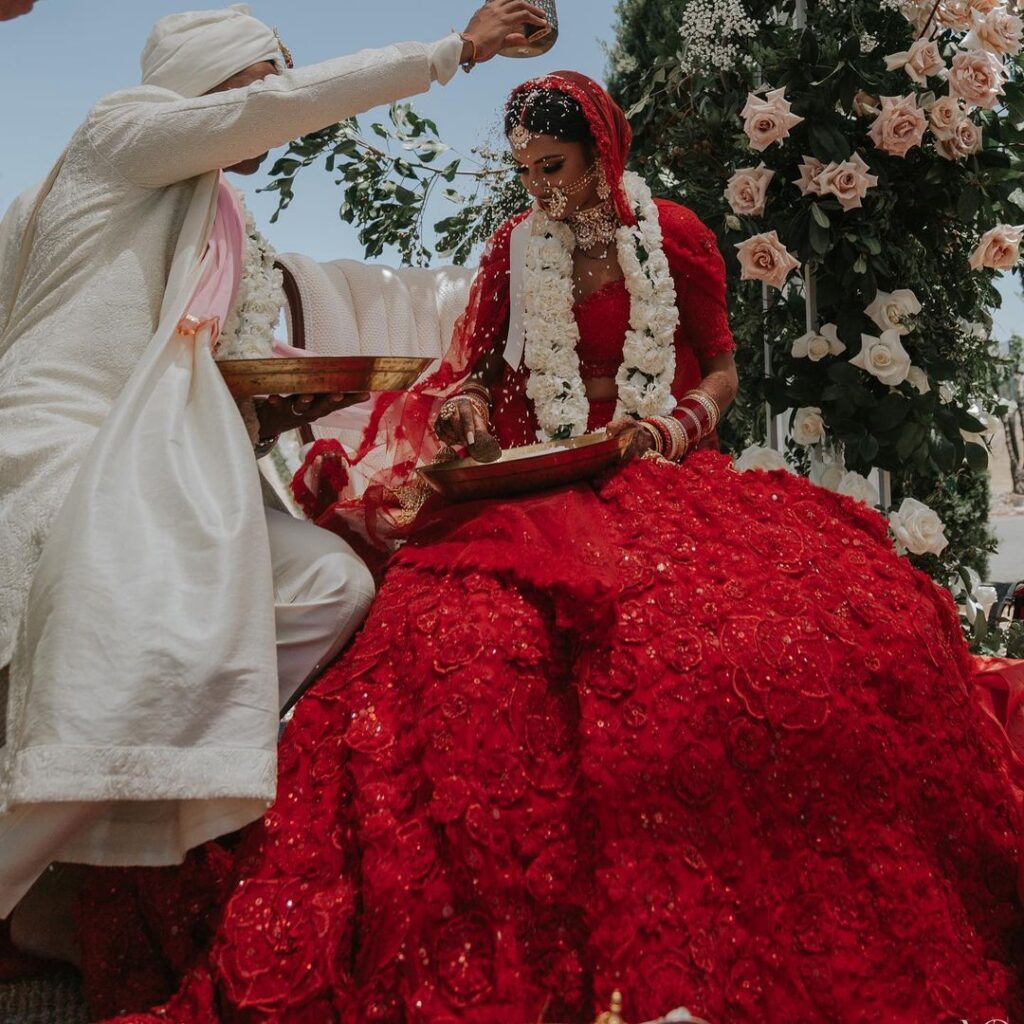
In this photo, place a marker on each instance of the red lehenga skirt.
(695, 735)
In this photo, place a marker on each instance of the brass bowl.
(524, 470)
(320, 375)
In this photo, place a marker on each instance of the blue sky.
(67, 53)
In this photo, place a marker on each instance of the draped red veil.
(372, 495)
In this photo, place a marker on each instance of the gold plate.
(320, 375)
(522, 470)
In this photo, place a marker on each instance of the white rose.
(808, 426)
(918, 379)
(858, 487)
(758, 457)
(973, 597)
(891, 310)
(884, 358)
(917, 529)
(816, 346)
(813, 346)
(826, 474)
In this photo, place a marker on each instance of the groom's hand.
(279, 413)
(498, 24)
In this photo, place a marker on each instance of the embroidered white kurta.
(165, 702)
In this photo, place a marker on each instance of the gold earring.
(604, 190)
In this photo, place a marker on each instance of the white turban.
(191, 53)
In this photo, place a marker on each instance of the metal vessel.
(538, 40)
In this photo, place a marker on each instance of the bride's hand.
(638, 440)
(464, 423)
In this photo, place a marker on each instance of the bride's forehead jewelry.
(285, 52)
(521, 136)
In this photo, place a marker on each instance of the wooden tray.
(523, 470)
(321, 375)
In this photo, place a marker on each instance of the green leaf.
(968, 204)
(820, 216)
(977, 457)
(868, 448)
(891, 412)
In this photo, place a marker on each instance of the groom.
(152, 614)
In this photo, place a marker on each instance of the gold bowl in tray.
(522, 470)
(320, 375)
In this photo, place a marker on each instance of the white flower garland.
(552, 335)
(249, 331)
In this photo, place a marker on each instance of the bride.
(698, 736)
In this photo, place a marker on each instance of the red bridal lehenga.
(695, 735)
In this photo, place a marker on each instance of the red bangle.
(695, 420)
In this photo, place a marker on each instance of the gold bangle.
(476, 387)
(680, 442)
(653, 433)
(708, 403)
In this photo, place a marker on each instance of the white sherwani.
(143, 676)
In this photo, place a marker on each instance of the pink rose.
(945, 114)
(918, 13)
(864, 104)
(998, 248)
(954, 14)
(899, 126)
(747, 189)
(808, 180)
(964, 140)
(767, 120)
(848, 181)
(984, 6)
(998, 32)
(764, 258)
(921, 61)
(978, 77)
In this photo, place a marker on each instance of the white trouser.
(322, 592)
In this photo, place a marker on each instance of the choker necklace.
(593, 227)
